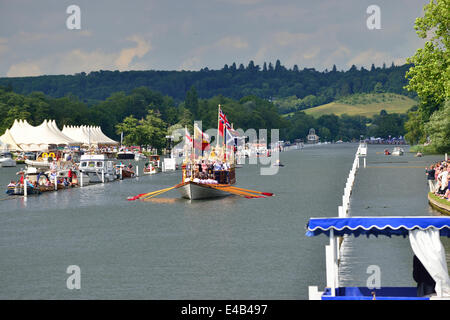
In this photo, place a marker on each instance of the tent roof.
(88, 135)
(377, 225)
(7, 141)
(29, 137)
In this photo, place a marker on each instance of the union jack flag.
(223, 117)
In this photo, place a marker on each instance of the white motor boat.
(150, 169)
(38, 163)
(139, 157)
(397, 151)
(6, 159)
(125, 155)
(99, 167)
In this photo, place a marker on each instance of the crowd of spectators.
(438, 176)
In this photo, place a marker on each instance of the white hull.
(7, 163)
(397, 152)
(195, 191)
(38, 164)
(139, 157)
(96, 177)
(149, 172)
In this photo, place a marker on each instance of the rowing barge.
(196, 191)
(208, 172)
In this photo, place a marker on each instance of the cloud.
(366, 58)
(225, 44)
(24, 69)
(287, 38)
(242, 2)
(126, 56)
(235, 42)
(78, 60)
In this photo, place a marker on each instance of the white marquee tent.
(7, 142)
(88, 135)
(24, 137)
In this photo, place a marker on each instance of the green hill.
(365, 105)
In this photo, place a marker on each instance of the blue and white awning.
(387, 226)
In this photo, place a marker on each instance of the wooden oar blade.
(238, 192)
(149, 195)
(269, 194)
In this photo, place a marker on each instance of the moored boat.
(99, 167)
(149, 169)
(6, 159)
(397, 151)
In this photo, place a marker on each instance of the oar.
(237, 192)
(157, 192)
(269, 194)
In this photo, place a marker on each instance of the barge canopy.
(424, 236)
(388, 226)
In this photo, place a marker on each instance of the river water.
(228, 248)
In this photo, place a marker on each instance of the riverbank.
(425, 150)
(439, 204)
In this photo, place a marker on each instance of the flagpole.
(185, 144)
(218, 124)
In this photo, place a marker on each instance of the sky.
(193, 34)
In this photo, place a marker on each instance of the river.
(228, 248)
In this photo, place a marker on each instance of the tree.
(438, 129)
(132, 135)
(154, 130)
(378, 88)
(191, 101)
(150, 130)
(430, 74)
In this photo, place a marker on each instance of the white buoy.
(137, 171)
(121, 174)
(56, 183)
(81, 179)
(103, 175)
(364, 162)
(25, 187)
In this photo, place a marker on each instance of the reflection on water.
(225, 248)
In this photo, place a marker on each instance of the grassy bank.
(365, 105)
(424, 149)
(442, 205)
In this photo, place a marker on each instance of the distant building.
(312, 136)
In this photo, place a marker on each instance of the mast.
(185, 144)
(218, 124)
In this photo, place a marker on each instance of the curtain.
(427, 246)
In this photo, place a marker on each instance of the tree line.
(267, 81)
(146, 117)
